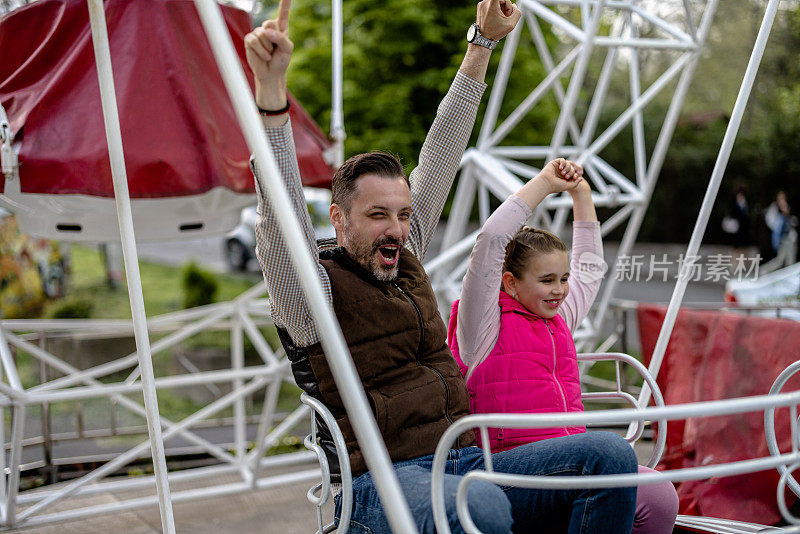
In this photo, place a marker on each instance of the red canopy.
(179, 130)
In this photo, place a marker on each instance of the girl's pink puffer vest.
(532, 369)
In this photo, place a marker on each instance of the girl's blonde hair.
(527, 243)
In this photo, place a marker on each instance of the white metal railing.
(243, 318)
(607, 417)
(636, 432)
(325, 488)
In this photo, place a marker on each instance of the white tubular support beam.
(499, 84)
(333, 343)
(609, 133)
(130, 404)
(711, 193)
(540, 43)
(531, 100)
(105, 76)
(554, 18)
(639, 149)
(264, 440)
(634, 479)
(236, 374)
(576, 81)
(135, 452)
(77, 376)
(337, 99)
(661, 23)
(9, 367)
(255, 337)
(14, 461)
(687, 11)
(239, 413)
(147, 482)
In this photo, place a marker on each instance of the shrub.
(199, 286)
(72, 308)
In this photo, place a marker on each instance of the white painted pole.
(14, 461)
(639, 149)
(337, 98)
(499, 84)
(114, 135)
(333, 342)
(711, 194)
(239, 413)
(575, 82)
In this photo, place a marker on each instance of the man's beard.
(367, 255)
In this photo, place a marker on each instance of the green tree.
(399, 59)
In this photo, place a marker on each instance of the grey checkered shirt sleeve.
(430, 185)
(287, 303)
(440, 157)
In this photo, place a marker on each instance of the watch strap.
(480, 40)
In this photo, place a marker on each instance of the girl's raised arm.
(478, 319)
(587, 265)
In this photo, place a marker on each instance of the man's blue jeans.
(496, 509)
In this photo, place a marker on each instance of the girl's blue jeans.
(498, 509)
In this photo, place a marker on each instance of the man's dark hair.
(378, 163)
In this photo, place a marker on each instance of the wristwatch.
(474, 36)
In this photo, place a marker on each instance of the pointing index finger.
(283, 15)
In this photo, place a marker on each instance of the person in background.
(783, 233)
(736, 224)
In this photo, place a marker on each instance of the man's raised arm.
(447, 139)
(268, 51)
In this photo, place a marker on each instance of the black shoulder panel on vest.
(301, 365)
(304, 376)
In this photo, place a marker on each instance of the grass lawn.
(163, 290)
(162, 286)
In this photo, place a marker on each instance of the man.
(385, 304)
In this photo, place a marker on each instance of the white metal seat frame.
(700, 409)
(772, 442)
(319, 494)
(635, 432)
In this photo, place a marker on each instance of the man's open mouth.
(389, 254)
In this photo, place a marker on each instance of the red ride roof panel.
(179, 130)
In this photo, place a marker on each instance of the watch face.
(471, 33)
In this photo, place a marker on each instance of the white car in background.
(778, 288)
(240, 243)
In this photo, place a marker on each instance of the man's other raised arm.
(269, 50)
(448, 136)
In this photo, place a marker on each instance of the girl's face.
(543, 286)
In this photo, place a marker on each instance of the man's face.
(377, 224)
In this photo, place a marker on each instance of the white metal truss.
(241, 317)
(612, 39)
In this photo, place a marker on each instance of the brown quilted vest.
(398, 343)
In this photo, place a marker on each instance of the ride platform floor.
(282, 509)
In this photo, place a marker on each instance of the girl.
(516, 352)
